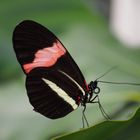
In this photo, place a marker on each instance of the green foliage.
(86, 35)
(109, 130)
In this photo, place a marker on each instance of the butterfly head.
(93, 87)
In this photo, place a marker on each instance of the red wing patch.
(46, 57)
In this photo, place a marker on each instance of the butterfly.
(54, 83)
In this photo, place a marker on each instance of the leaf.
(109, 130)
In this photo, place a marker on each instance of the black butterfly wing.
(52, 100)
(55, 87)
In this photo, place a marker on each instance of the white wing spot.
(61, 93)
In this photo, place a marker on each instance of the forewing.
(30, 38)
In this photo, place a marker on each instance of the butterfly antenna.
(84, 119)
(111, 82)
(119, 83)
(112, 68)
(106, 116)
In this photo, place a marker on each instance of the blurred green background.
(83, 27)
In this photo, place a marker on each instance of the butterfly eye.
(97, 90)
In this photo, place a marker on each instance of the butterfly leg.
(84, 119)
(106, 116)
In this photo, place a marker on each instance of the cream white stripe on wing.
(61, 93)
(73, 81)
